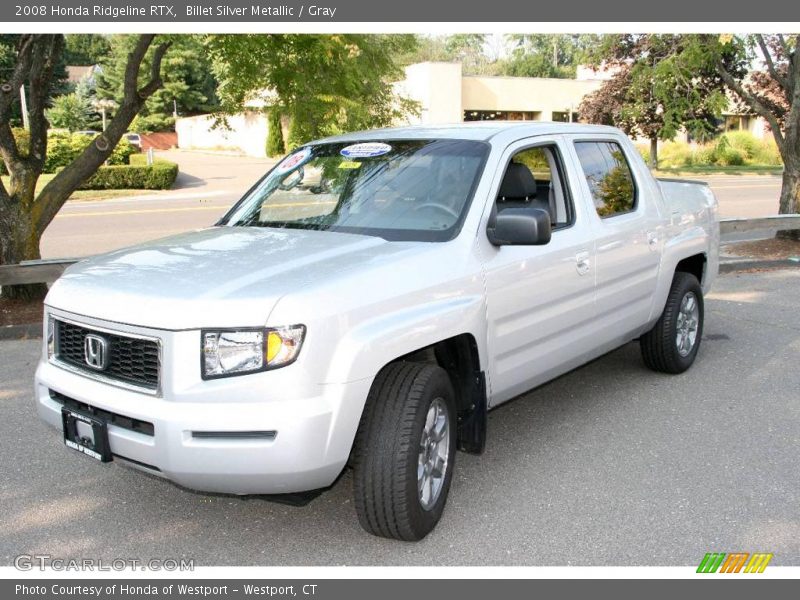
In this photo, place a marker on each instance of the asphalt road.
(608, 465)
(209, 184)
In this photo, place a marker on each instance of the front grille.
(131, 360)
(129, 423)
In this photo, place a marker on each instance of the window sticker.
(349, 164)
(366, 150)
(291, 161)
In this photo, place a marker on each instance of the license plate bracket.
(86, 433)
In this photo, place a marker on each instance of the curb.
(28, 331)
(748, 265)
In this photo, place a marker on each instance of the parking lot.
(609, 465)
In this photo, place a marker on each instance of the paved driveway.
(608, 465)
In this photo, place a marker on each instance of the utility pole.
(555, 51)
(23, 105)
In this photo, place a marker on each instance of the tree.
(326, 84)
(546, 55)
(24, 213)
(470, 49)
(649, 94)
(70, 111)
(85, 48)
(188, 86)
(275, 145)
(764, 73)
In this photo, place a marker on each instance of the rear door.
(626, 231)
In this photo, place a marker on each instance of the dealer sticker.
(366, 150)
(349, 164)
(290, 162)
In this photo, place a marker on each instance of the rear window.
(609, 177)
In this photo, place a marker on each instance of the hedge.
(158, 176)
(64, 147)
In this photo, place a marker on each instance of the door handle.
(652, 239)
(582, 263)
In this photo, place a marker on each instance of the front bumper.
(313, 432)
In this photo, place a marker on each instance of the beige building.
(447, 96)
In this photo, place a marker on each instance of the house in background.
(78, 73)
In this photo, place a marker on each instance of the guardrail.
(779, 222)
(47, 271)
(34, 271)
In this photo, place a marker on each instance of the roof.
(77, 73)
(472, 130)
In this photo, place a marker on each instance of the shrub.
(23, 139)
(63, 148)
(158, 176)
(70, 111)
(674, 154)
(730, 157)
(275, 145)
(743, 141)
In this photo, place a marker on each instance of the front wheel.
(671, 345)
(405, 450)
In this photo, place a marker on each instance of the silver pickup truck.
(367, 302)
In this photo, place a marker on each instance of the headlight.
(237, 352)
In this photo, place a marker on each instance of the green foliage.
(57, 85)
(275, 145)
(23, 139)
(547, 55)
(63, 148)
(326, 84)
(158, 176)
(652, 93)
(186, 72)
(152, 122)
(71, 111)
(615, 189)
(86, 48)
(733, 149)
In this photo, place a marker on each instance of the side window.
(534, 179)
(609, 176)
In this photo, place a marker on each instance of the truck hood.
(217, 277)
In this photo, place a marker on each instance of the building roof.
(472, 130)
(77, 73)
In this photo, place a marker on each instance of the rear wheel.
(672, 344)
(405, 449)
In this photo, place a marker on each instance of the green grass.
(719, 170)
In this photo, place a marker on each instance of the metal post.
(150, 157)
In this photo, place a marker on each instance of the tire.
(672, 344)
(388, 453)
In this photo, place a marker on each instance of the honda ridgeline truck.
(367, 302)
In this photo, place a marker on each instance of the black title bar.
(341, 11)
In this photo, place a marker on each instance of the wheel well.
(695, 265)
(459, 357)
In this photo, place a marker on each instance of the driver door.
(540, 299)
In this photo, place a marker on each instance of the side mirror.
(519, 227)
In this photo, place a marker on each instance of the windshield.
(400, 190)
